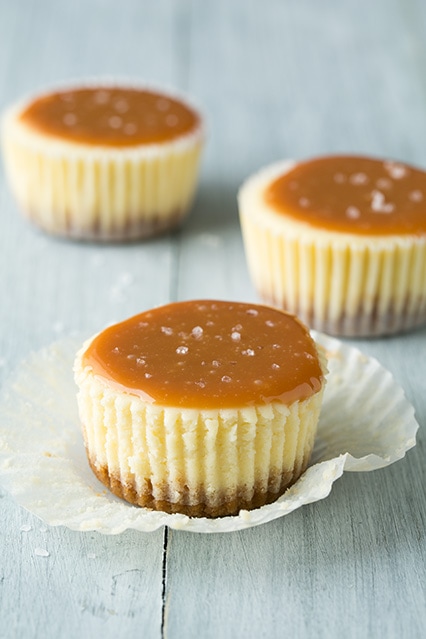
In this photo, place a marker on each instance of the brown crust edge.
(224, 509)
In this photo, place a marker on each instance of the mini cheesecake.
(340, 241)
(103, 162)
(201, 407)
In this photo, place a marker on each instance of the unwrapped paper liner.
(366, 423)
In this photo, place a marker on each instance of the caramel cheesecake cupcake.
(202, 407)
(103, 162)
(339, 241)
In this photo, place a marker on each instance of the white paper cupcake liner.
(366, 423)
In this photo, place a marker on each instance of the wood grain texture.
(275, 79)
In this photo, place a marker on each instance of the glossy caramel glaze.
(111, 116)
(353, 194)
(209, 355)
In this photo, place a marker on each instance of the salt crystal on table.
(41, 552)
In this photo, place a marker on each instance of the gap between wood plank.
(164, 581)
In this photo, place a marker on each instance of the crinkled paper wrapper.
(366, 423)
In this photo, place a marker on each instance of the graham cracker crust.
(140, 229)
(223, 508)
(373, 324)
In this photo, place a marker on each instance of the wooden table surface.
(275, 79)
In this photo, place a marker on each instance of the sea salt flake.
(249, 352)
(378, 203)
(101, 97)
(140, 361)
(235, 336)
(358, 179)
(121, 106)
(276, 346)
(270, 323)
(384, 183)
(215, 363)
(130, 128)
(167, 330)
(353, 212)
(163, 104)
(172, 120)
(226, 379)
(395, 170)
(58, 327)
(276, 366)
(148, 375)
(69, 119)
(41, 552)
(182, 350)
(210, 239)
(416, 196)
(252, 311)
(339, 178)
(237, 327)
(197, 332)
(115, 121)
(115, 349)
(67, 97)
(200, 383)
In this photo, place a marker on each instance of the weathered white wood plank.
(294, 80)
(58, 583)
(89, 585)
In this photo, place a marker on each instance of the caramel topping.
(209, 355)
(111, 116)
(353, 194)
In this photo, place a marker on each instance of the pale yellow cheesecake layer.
(336, 282)
(198, 462)
(89, 192)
